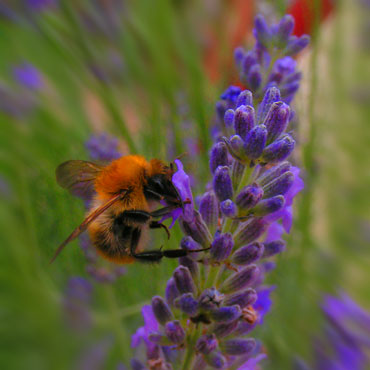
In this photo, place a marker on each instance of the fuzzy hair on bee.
(124, 195)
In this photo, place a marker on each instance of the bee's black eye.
(160, 187)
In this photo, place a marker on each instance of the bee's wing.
(78, 177)
(86, 222)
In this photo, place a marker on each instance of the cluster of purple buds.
(258, 137)
(214, 299)
(268, 64)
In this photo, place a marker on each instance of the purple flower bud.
(241, 279)
(245, 98)
(277, 120)
(274, 172)
(220, 110)
(229, 117)
(222, 184)
(280, 185)
(278, 150)
(248, 254)
(218, 156)
(295, 45)
(231, 94)
(216, 360)
(249, 231)
(228, 208)
(208, 208)
(238, 347)
(249, 196)
(174, 331)
(171, 291)
(249, 60)
(272, 248)
(238, 56)
(225, 314)
(235, 146)
(197, 229)
(289, 88)
(161, 310)
(223, 329)
(285, 29)
(191, 265)
(237, 170)
(206, 344)
(270, 205)
(244, 120)
(242, 299)
(188, 243)
(187, 304)
(271, 96)
(261, 30)
(210, 299)
(184, 281)
(222, 247)
(254, 77)
(293, 77)
(255, 141)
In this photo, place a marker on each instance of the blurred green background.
(128, 68)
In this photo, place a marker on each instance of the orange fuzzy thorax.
(128, 172)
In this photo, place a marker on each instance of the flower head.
(242, 215)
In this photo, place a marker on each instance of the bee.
(123, 195)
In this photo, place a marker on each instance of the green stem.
(190, 351)
(245, 178)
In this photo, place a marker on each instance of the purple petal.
(251, 364)
(181, 180)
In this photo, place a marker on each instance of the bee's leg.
(158, 225)
(163, 211)
(149, 256)
(157, 254)
(135, 215)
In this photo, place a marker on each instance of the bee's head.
(159, 185)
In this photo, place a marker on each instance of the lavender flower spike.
(214, 299)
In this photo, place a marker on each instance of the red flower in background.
(237, 22)
(303, 12)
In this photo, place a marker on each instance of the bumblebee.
(123, 195)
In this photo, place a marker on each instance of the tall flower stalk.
(214, 299)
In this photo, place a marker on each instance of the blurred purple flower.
(94, 357)
(346, 340)
(40, 5)
(28, 76)
(76, 304)
(103, 147)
